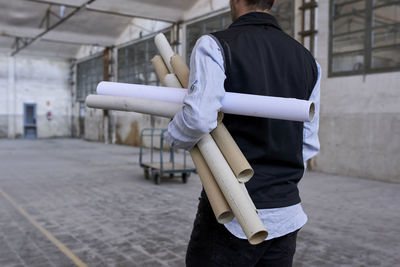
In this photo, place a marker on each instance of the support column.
(11, 98)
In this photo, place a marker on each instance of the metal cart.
(157, 169)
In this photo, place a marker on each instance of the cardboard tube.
(243, 209)
(181, 70)
(147, 106)
(243, 186)
(165, 50)
(160, 68)
(171, 80)
(233, 103)
(232, 153)
(220, 207)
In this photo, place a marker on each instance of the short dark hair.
(261, 4)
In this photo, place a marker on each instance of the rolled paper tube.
(160, 68)
(220, 117)
(232, 153)
(147, 106)
(232, 103)
(172, 81)
(220, 207)
(243, 186)
(181, 70)
(237, 200)
(165, 49)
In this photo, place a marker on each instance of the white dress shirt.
(199, 116)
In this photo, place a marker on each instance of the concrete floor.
(94, 200)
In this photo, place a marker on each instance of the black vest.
(261, 59)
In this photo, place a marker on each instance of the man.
(252, 56)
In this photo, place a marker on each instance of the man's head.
(241, 7)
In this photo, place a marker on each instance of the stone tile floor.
(94, 199)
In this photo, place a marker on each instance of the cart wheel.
(157, 178)
(185, 176)
(146, 173)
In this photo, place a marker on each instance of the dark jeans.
(211, 244)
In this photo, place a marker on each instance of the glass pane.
(140, 53)
(29, 115)
(382, 2)
(349, 24)
(386, 58)
(193, 33)
(196, 30)
(134, 65)
(386, 15)
(213, 25)
(283, 11)
(89, 74)
(345, 7)
(348, 42)
(384, 36)
(348, 62)
(226, 20)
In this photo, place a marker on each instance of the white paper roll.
(175, 95)
(237, 199)
(165, 49)
(171, 80)
(233, 103)
(147, 106)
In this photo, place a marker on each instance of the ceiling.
(60, 27)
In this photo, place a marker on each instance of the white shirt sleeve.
(203, 101)
(311, 144)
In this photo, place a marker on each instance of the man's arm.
(206, 90)
(310, 132)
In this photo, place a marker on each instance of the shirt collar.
(256, 18)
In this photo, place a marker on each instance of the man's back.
(253, 56)
(261, 59)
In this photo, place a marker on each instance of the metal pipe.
(52, 40)
(110, 12)
(58, 23)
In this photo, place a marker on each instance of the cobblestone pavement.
(93, 199)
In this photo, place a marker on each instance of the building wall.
(360, 118)
(34, 80)
(360, 115)
(126, 127)
(118, 127)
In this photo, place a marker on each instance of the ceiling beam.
(52, 40)
(88, 8)
(58, 23)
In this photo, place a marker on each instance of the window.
(134, 62)
(364, 36)
(89, 74)
(283, 11)
(195, 30)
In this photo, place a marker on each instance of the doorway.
(30, 121)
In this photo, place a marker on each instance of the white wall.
(360, 118)
(35, 80)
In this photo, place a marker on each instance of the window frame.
(85, 60)
(368, 46)
(223, 13)
(135, 42)
(200, 20)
